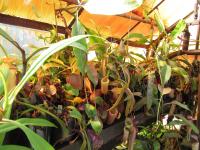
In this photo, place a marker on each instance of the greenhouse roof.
(110, 26)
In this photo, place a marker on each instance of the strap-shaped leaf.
(13, 147)
(36, 141)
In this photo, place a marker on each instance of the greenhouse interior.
(99, 74)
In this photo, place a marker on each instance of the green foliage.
(188, 123)
(96, 125)
(180, 105)
(141, 37)
(74, 113)
(80, 54)
(90, 111)
(36, 141)
(38, 63)
(159, 23)
(164, 71)
(13, 147)
(4, 69)
(71, 90)
(178, 29)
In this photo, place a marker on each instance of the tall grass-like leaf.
(4, 88)
(36, 141)
(150, 91)
(178, 29)
(188, 123)
(6, 36)
(165, 71)
(4, 50)
(80, 55)
(35, 122)
(62, 124)
(37, 64)
(180, 105)
(159, 23)
(33, 68)
(13, 147)
(4, 69)
(6, 126)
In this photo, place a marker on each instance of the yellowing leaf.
(87, 84)
(77, 100)
(164, 91)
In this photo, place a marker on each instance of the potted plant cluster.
(64, 97)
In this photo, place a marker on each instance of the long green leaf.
(36, 122)
(180, 71)
(150, 92)
(159, 23)
(62, 124)
(178, 29)
(181, 105)
(164, 71)
(7, 126)
(36, 141)
(189, 123)
(3, 81)
(141, 38)
(5, 35)
(37, 64)
(13, 147)
(80, 55)
(4, 69)
(74, 113)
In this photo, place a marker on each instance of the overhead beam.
(184, 52)
(12, 20)
(156, 7)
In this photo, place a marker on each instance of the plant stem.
(5, 91)
(158, 110)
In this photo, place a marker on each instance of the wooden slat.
(11, 20)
